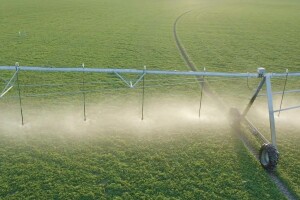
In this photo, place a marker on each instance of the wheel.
(268, 156)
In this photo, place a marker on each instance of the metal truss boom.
(266, 80)
(130, 71)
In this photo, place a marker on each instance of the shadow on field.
(249, 147)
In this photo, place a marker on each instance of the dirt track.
(279, 183)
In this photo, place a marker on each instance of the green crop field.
(171, 154)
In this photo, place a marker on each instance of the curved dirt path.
(185, 56)
(183, 53)
(278, 182)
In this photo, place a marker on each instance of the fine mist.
(163, 115)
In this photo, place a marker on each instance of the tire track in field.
(185, 56)
(183, 53)
(250, 147)
(282, 187)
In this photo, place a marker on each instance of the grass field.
(171, 154)
(183, 165)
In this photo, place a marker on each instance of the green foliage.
(288, 141)
(226, 36)
(239, 37)
(99, 33)
(184, 165)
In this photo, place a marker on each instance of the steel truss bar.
(129, 83)
(266, 79)
(271, 111)
(284, 74)
(262, 82)
(283, 91)
(10, 84)
(132, 71)
(285, 109)
(141, 77)
(278, 93)
(255, 131)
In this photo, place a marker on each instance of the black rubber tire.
(268, 156)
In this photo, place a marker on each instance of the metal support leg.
(19, 92)
(271, 111)
(83, 89)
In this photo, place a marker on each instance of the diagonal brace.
(10, 84)
(285, 109)
(262, 82)
(139, 79)
(123, 79)
(129, 83)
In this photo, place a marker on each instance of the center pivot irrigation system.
(268, 155)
